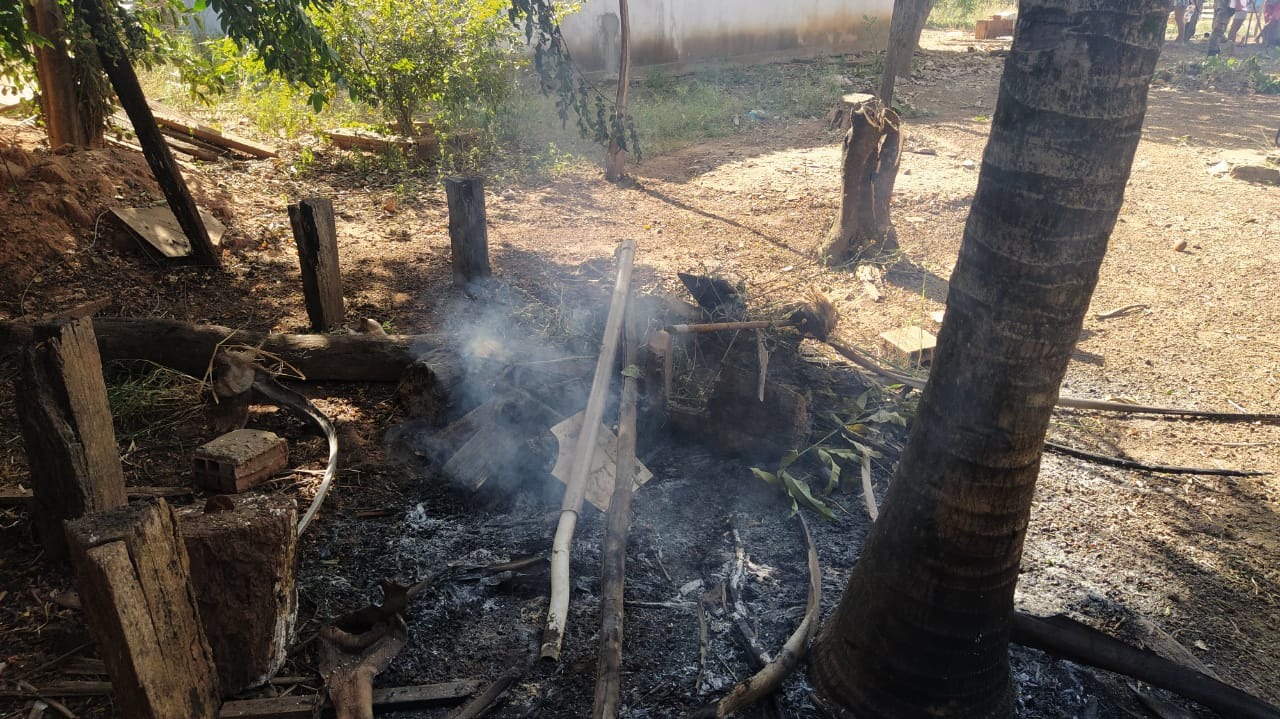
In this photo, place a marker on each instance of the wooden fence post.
(468, 233)
(134, 581)
(66, 428)
(316, 234)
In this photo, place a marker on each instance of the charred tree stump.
(134, 581)
(115, 62)
(243, 574)
(870, 155)
(66, 427)
(739, 423)
(468, 233)
(317, 238)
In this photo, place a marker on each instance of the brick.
(240, 460)
(911, 346)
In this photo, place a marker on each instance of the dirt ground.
(1194, 556)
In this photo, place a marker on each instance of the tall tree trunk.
(922, 628)
(69, 116)
(615, 161)
(908, 21)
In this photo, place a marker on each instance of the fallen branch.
(575, 488)
(768, 679)
(264, 384)
(1063, 402)
(613, 569)
(487, 701)
(1067, 638)
(1112, 461)
(385, 700)
(357, 647)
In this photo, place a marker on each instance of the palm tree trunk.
(923, 625)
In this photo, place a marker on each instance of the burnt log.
(133, 576)
(67, 429)
(504, 443)
(243, 573)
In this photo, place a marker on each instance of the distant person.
(1271, 27)
(1192, 19)
(1181, 12)
(1224, 11)
(1237, 20)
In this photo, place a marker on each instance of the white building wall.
(664, 31)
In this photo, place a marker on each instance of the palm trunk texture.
(923, 626)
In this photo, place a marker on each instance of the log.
(244, 576)
(19, 497)
(67, 430)
(387, 700)
(468, 234)
(428, 388)
(115, 62)
(510, 445)
(870, 154)
(133, 577)
(317, 239)
(1065, 637)
(189, 347)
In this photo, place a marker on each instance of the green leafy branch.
(595, 114)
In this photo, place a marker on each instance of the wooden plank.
(391, 699)
(67, 429)
(172, 121)
(132, 573)
(316, 235)
(68, 688)
(158, 227)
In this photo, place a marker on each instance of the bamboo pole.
(613, 570)
(575, 488)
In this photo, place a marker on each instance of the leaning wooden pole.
(576, 487)
(613, 570)
(115, 62)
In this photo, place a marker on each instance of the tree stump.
(134, 581)
(468, 233)
(66, 428)
(870, 155)
(316, 235)
(243, 573)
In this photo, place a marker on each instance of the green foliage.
(1227, 74)
(406, 57)
(851, 440)
(597, 116)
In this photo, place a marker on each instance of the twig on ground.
(868, 491)
(1118, 312)
(1132, 464)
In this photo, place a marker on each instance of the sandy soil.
(1194, 556)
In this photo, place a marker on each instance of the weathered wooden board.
(159, 228)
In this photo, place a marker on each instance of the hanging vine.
(595, 114)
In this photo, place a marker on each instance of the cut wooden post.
(134, 581)
(870, 156)
(245, 581)
(66, 427)
(115, 62)
(317, 238)
(468, 233)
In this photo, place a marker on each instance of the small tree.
(410, 57)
